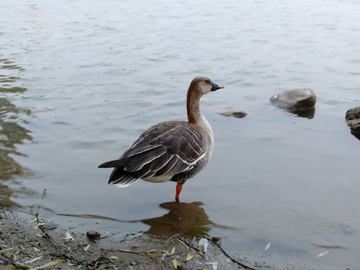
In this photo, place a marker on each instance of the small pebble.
(93, 234)
(49, 226)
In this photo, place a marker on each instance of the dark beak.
(216, 87)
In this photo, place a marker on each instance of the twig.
(173, 236)
(231, 258)
(40, 225)
(129, 251)
(226, 254)
(5, 250)
(188, 244)
(33, 260)
(182, 242)
(46, 235)
(142, 252)
(11, 261)
(46, 266)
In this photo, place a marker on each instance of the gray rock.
(296, 99)
(93, 234)
(352, 117)
(233, 113)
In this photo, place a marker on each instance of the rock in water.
(297, 99)
(352, 117)
(233, 113)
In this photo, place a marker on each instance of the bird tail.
(121, 178)
(110, 164)
(118, 177)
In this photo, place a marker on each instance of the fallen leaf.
(348, 229)
(214, 264)
(267, 246)
(86, 247)
(68, 236)
(36, 249)
(24, 267)
(181, 242)
(166, 253)
(151, 256)
(34, 219)
(50, 220)
(173, 250)
(189, 257)
(113, 258)
(193, 241)
(58, 260)
(203, 243)
(324, 253)
(39, 224)
(175, 263)
(136, 246)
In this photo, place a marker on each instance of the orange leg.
(178, 190)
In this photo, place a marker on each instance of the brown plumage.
(169, 151)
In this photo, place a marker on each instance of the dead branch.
(46, 235)
(191, 246)
(225, 253)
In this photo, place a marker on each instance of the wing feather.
(168, 148)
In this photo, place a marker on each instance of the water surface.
(81, 80)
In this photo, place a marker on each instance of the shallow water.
(80, 81)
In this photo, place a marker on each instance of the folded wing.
(164, 150)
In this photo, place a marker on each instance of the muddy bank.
(25, 245)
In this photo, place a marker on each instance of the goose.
(169, 151)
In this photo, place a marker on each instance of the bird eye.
(207, 81)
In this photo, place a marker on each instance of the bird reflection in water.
(184, 218)
(187, 219)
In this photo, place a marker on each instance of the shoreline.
(31, 245)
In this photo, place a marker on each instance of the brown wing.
(168, 148)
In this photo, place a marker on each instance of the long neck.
(193, 111)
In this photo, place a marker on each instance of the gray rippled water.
(80, 80)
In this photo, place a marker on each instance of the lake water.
(81, 80)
